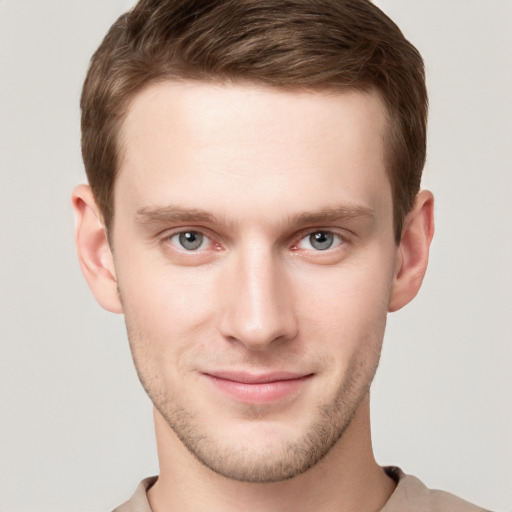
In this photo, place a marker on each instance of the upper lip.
(257, 378)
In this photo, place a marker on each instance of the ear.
(94, 253)
(412, 252)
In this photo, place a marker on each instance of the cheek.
(348, 292)
(166, 296)
(347, 306)
(169, 313)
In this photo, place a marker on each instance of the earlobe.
(413, 251)
(94, 253)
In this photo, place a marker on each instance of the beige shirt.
(410, 496)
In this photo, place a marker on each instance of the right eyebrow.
(173, 214)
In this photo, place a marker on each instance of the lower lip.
(259, 393)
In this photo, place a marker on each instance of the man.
(254, 211)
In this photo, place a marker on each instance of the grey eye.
(321, 240)
(190, 240)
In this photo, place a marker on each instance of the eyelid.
(203, 241)
(168, 234)
(343, 238)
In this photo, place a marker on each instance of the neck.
(347, 478)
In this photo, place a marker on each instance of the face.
(254, 255)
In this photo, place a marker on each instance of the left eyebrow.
(331, 214)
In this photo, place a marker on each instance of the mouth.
(259, 388)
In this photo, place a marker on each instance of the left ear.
(412, 252)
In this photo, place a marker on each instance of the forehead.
(211, 143)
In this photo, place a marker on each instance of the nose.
(257, 305)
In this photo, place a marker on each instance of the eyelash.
(168, 239)
(341, 240)
(309, 237)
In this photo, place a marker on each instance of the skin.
(255, 173)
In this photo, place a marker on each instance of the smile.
(258, 389)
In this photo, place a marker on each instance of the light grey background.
(76, 428)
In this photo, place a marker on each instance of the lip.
(259, 388)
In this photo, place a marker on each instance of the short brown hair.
(320, 44)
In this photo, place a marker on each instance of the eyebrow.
(178, 214)
(331, 214)
(174, 213)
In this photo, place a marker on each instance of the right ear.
(94, 253)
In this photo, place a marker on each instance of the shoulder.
(139, 501)
(412, 494)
